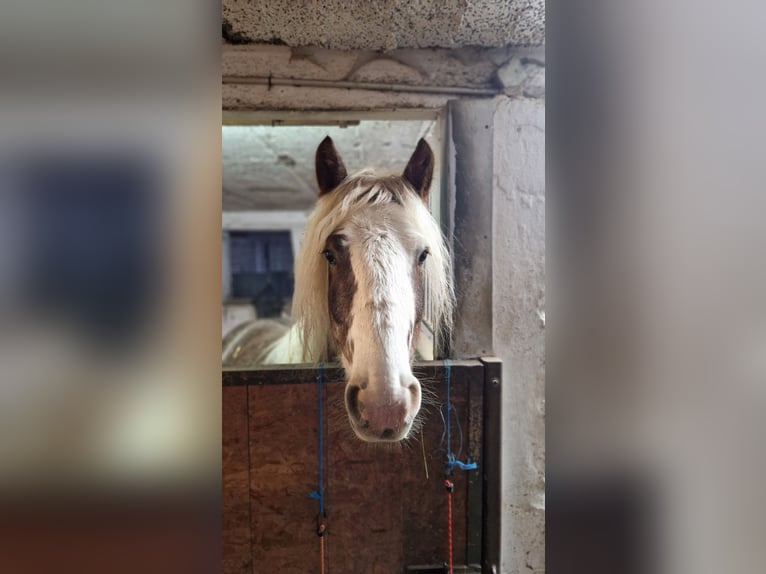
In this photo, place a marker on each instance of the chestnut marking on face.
(342, 286)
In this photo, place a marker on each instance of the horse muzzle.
(382, 415)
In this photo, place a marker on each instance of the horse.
(370, 258)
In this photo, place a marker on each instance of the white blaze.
(383, 255)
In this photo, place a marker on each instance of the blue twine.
(319, 493)
(452, 462)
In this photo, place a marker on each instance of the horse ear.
(329, 166)
(420, 169)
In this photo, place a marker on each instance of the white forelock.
(308, 341)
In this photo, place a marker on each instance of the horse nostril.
(352, 403)
(387, 433)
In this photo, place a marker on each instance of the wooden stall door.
(386, 504)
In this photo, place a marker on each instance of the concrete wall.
(385, 24)
(269, 77)
(519, 321)
(498, 197)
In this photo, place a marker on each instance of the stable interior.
(269, 189)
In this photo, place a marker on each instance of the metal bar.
(249, 482)
(306, 373)
(375, 86)
(440, 569)
(492, 459)
(475, 485)
(332, 117)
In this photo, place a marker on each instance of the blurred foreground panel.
(109, 286)
(656, 351)
(150, 536)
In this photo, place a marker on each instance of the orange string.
(321, 554)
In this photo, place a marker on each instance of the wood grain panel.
(282, 474)
(425, 504)
(383, 512)
(235, 535)
(364, 497)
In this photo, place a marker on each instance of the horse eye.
(422, 257)
(329, 256)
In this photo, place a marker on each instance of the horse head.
(371, 253)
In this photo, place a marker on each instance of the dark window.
(262, 269)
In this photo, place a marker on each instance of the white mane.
(308, 340)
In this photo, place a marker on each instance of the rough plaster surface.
(493, 23)
(386, 71)
(521, 76)
(386, 24)
(253, 97)
(465, 67)
(519, 281)
(423, 23)
(284, 62)
(515, 71)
